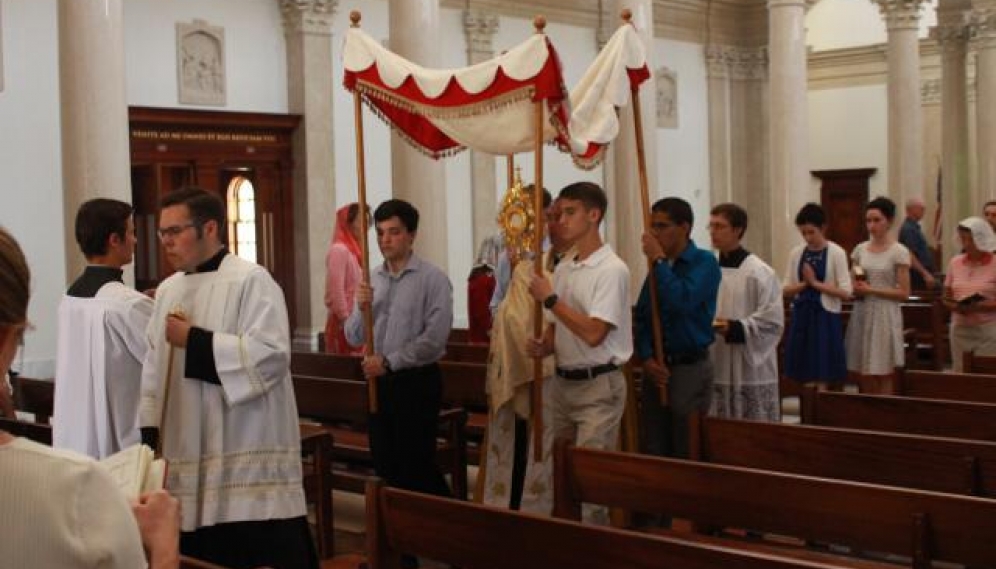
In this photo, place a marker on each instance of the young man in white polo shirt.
(590, 336)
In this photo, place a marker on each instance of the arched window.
(242, 218)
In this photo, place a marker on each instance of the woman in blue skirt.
(817, 280)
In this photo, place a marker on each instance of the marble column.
(718, 85)
(94, 112)
(905, 122)
(480, 28)
(738, 130)
(983, 20)
(414, 35)
(952, 36)
(308, 36)
(788, 123)
(626, 206)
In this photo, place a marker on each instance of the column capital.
(308, 16)
(735, 62)
(900, 14)
(480, 27)
(951, 35)
(981, 24)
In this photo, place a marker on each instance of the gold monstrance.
(517, 218)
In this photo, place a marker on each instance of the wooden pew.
(973, 387)
(38, 432)
(956, 466)
(461, 335)
(340, 407)
(927, 319)
(464, 386)
(316, 452)
(35, 396)
(926, 526)
(469, 535)
(973, 363)
(464, 352)
(935, 417)
(317, 364)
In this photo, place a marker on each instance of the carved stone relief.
(930, 91)
(200, 62)
(667, 98)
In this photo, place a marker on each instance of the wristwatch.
(550, 301)
(386, 364)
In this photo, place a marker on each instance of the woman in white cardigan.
(817, 280)
(60, 509)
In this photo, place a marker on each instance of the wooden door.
(174, 148)
(844, 195)
(149, 183)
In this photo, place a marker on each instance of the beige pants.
(588, 412)
(979, 339)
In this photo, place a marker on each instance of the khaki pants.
(588, 412)
(979, 339)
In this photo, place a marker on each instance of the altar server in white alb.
(748, 325)
(101, 343)
(227, 422)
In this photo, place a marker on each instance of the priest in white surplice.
(749, 322)
(230, 428)
(102, 343)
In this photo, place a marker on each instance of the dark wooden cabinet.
(217, 151)
(844, 195)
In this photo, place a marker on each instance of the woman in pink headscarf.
(342, 266)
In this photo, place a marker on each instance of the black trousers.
(403, 432)
(280, 544)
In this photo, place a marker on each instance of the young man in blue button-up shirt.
(687, 284)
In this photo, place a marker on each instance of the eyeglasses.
(173, 231)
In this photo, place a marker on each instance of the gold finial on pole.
(539, 22)
(627, 15)
(354, 18)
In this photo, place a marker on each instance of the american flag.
(938, 224)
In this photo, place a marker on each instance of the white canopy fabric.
(490, 106)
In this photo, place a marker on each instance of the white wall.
(255, 57)
(683, 153)
(31, 166)
(847, 129)
(835, 24)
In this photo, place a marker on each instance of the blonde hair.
(15, 281)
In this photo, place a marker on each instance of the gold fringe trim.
(430, 111)
(371, 91)
(434, 154)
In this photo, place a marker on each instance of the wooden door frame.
(828, 178)
(212, 141)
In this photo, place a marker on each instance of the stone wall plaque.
(666, 82)
(200, 63)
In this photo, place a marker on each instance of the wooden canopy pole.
(536, 393)
(641, 159)
(161, 439)
(361, 183)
